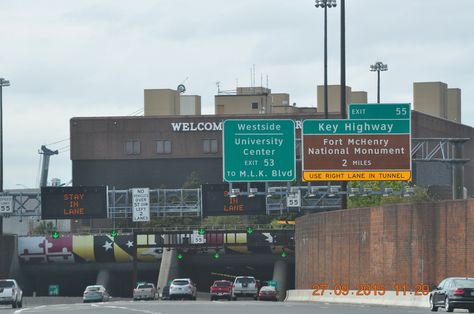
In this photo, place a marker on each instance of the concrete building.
(436, 99)
(334, 98)
(163, 102)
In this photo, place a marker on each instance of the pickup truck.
(11, 293)
(221, 289)
(144, 291)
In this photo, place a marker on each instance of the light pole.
(3, 82)
(378, 67)
(343, 86)
(325, 4)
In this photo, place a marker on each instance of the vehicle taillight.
(190, 286)
(172, 287)
(13, 290)
(459, 291)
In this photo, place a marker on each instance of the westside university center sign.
(259, 150)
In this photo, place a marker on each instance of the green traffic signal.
(180, 256)
(249, 230)
(283, 253)
(201, 231)
(55, 235)
(113, 233)
(216, 255)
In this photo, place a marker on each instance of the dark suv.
(453, 293)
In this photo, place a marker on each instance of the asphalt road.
(73, 306)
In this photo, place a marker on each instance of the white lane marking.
(124, 308)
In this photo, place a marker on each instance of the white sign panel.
(197, 239)
(6, 204)
(141, 204)
(293, 199)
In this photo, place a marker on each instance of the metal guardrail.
(177, 202)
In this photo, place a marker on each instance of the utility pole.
(3, 83)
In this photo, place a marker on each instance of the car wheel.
(14, 304)
(235, 298)
(20, 304)
(194, 298)
(229, 298)
(433, 307)
(447, 306)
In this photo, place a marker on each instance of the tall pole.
(343, 60)
(378, 87)
(326, 105)
(325, 4)
(3, 82)
(343, 87)
(378, 67)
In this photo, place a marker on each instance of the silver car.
(95, 293)
(183, 288)
(245, 286)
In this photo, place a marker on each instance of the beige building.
(436, 99)
(169, 102)
(334, 97)
(256, 100)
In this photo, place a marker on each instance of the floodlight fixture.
(325, 3)
(378, 67)
(252, 192)
(234, 192)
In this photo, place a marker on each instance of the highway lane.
(208, 307)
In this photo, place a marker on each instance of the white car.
(183, 288)
(245, 286)
(145, 291)
(95, 293)
(11, 293)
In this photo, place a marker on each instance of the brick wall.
(394, 244)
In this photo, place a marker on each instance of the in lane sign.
(259, 150)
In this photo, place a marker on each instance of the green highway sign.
(259, 150)
(53, 290)
(379, 111)
(319, 127)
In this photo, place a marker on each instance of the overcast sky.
(84, 58)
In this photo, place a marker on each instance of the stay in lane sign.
(259, 150)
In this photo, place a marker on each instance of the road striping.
(124, 308)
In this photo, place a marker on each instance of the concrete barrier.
(389, 298)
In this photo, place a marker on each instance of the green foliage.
(359, 201)
(192, 182)
(45, 227)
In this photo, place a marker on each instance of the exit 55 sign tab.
(73, 202)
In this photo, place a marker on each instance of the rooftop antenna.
(267, 81)
(218, 84)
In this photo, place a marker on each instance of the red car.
(221, 289)
(268, 293)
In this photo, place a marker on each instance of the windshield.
(93, 288)
(144, 286)
(464, 283)
(222, 284)
(180, 282)
(6, 284)
(268, 288)
(245, 280)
